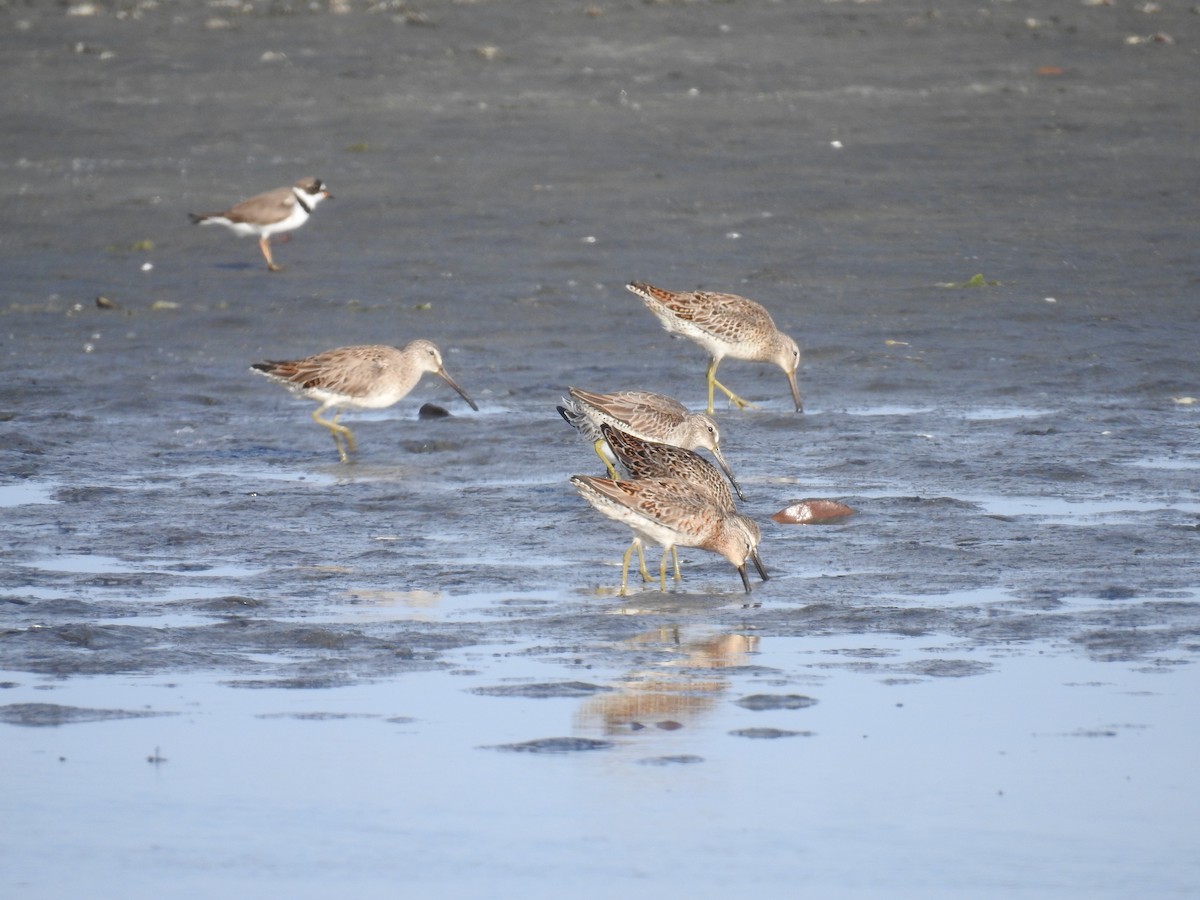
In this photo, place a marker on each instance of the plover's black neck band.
(300, 200)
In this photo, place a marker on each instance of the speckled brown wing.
(640, 409)
(727, 316)
(666, 500)
(349, 371)
(650, 460)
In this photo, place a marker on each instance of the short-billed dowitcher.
(649, 416)
(647, 460)
(724, 325)
(368, 376)
(283, 209)
(670, 512)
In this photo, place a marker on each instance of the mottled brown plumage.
(368, 376)
(724, 325)
(648, 460)
(646, 415)
(671, 512)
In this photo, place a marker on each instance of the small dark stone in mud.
(768, 733)
(759, 702)
(542, 691)
(46, 714)
(104, 303)
(555, 745)
(432, 411)
(681, 759)
(948, 668)
(669, 725)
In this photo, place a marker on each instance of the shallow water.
(229, 663)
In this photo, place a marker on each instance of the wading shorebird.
(647, 460)
(369, 376)
(724, 325)
(283, 209)
(670, 512)
(649, 416)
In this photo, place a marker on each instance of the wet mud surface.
(1022, 451)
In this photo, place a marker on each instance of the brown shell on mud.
(812, 512)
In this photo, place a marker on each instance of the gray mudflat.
(1022, 450)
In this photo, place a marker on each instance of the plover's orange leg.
(264, 244)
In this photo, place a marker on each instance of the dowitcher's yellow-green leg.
(612, 473)
(642, 562)
(339, 433)
(662, 572)
(625, 567)
(712, 382)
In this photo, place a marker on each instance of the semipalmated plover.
(271, 213)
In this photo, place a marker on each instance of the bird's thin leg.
(347, 434)
(712, 382)
(675, 557)
(264, 244)
(662, 571)
(339, 433)
(641, 561)
(625, 567)
(612, 472)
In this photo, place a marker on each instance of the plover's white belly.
(295, 219)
